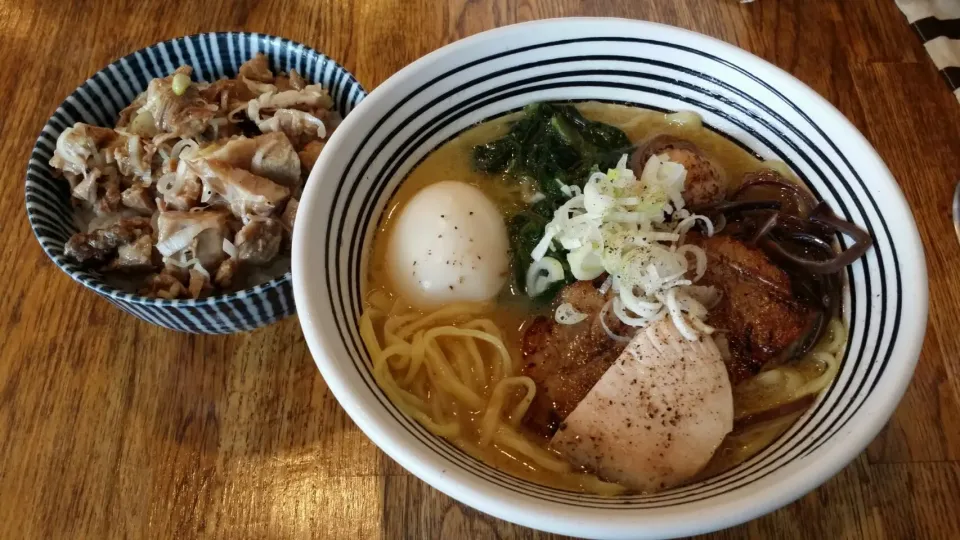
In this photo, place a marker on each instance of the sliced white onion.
(541, 248)
(537, 281)
(229, 248)
(620, 311)
(180, 240)
(605, 286)
(603, 323)
(567, 314)
(535, 198)
(699, 255)
(677, 316)
(181, 146)
(586, 262)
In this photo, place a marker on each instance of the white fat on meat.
(244, 192)
(656, 416)
(271, 156)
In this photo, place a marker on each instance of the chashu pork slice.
(656, 416)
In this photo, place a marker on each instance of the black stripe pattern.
(452, 92)
(941, 38)
(99, 101)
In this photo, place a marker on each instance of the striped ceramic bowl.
(100, 99)
(753, 103)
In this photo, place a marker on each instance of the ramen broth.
(512, 309)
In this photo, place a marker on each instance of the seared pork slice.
(704, 184)
(101, 245)
(258, 242)
(270, 156)
(757, 311)
(245, 193)
(565, 361)
(656, 416)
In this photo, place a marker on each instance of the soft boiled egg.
(449, 244)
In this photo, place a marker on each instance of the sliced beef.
(758, 311)
(566, 361)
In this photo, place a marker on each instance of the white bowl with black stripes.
(740, 96)
(99, 100)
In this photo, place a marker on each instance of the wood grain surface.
(113, 428)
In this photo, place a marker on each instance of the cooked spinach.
(550, 144)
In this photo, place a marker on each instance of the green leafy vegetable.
(551, 145)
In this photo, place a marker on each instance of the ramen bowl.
(99, 100)
(738, 95)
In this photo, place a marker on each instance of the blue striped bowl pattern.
(756, 105)
(99, 100)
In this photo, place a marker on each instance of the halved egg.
(449, 244)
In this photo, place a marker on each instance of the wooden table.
(110, 427)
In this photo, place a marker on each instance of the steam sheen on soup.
(605, 298)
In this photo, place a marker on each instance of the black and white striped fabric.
(100, 99)
(938, 23)
(757, 106)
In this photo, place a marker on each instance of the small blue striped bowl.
(99, 101)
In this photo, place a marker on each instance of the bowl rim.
(721, 513)
(99, 285)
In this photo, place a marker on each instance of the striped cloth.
(938, 23)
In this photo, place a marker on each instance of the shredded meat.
(289, 215)
(270, 155)
(309, 155)
(258, 242)
(199, 283)
(244, 192)
(132, 156)
(190, 155)
(205, 230)
(225, 273)
(296, 81)
(565, 361)
(186, 115)
(101, 245)
(77, 145)
(136, 256)
(757, 311)
(164, 285)
(137, 197)
(257, 69)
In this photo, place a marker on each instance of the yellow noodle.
(471, 369)
(446, 313)
(492, 416)
(444, 371)
(510, 438)
(815, 386)
(446, 379)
